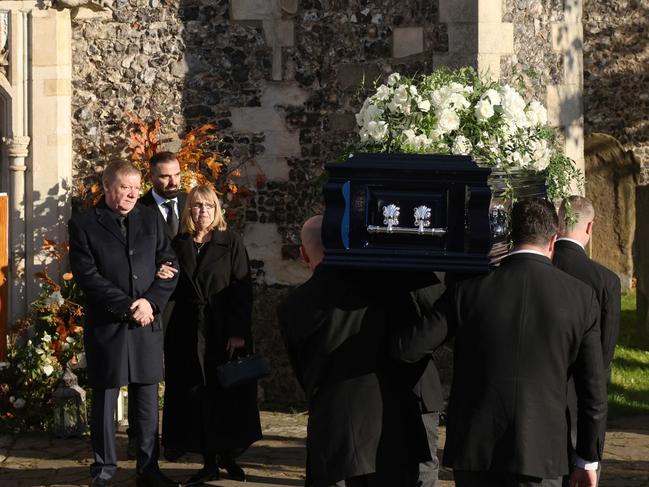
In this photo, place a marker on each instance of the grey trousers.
(429, 471)
(464, 478)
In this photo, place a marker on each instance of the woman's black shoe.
(205, 474)
(235, 472)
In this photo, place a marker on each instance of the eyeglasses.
(207, 206)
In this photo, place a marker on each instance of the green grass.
(628, 393)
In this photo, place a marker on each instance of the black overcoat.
(112, 273)
(363, 414)
(213, 301)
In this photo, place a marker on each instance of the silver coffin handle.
(391, 219)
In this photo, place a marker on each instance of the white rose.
(393, 79)
(435, 135)
(456, 87)
(448, 121)
(409, 135)
(457, 101)
(423, 105)
(46, 338)
(484, 110)
(377, 130)
(400, 101)
(364, 135)
(461, 145)
(55, 299)
(382, 93)
(372, 114)
(536, 114)
(19, 403)
(493, 96)
(360, 116)
(413, 90)
(540, 154)
(513, 106)
(48, 369)
(440, 97)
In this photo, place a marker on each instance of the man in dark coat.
(520, 331)
(570, 256)
(116, 248)
(364, 422)
(166, 197)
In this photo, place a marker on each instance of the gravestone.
(611, 180)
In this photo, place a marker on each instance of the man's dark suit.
(148, 200)
(520, 332)
(570, 257)
(113, 271)
(363, 416)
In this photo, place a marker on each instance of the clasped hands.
(141, 309)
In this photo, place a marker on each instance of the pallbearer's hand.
(233, 344)
(583, 478)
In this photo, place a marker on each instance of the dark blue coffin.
(419, 211)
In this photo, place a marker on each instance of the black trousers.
(464, 478)
(102, 429)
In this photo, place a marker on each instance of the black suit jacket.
(148, 200)
(520, 332)
(363, 417)
(114, 272)
(571, 258)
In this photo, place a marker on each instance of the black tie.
(172, 218)
(121, 220)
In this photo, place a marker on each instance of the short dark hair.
(160, 157)
(534, 221)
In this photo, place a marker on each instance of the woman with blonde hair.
(210, 323)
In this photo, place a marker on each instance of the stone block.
(59, 139)
(564, 104)
(278, 33)
(57, 87)
(567, 36)
(489, 63)
(252, 9)
(463, 40)
(264, 243)
(407, 41)
(262, 119)
(351, 75)
(462, 11)
(284, 94)
(51, 38)
(495, 38)
(272, 167)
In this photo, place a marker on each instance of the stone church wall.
(616, 55)
(280, 78)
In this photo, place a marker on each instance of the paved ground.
(277, 461)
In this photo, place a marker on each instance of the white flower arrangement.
(461, 112)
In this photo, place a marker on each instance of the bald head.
(584, 214)
(311, 237)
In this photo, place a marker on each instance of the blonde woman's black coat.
(212, 302)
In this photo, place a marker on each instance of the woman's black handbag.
(242, 370)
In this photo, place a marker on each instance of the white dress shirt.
(161, 200)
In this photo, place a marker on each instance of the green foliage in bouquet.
(40, 347)
(462, 112)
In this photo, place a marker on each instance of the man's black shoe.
(131, 448)
(98, 482)
(172, 454)
(235, 472)
(155, 479)
(205, 474)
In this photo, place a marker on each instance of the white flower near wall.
(47, 369)
(484, 110)
(536, 114)
(448, 121)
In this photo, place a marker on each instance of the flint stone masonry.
(616, 100)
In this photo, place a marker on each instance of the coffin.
(419, 212)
